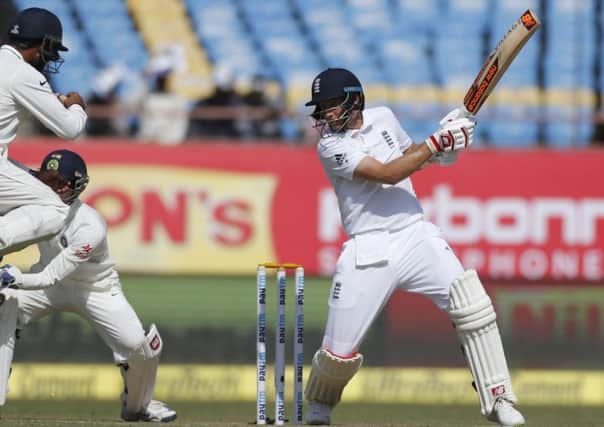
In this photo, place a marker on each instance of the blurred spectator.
(598, 127)
(224, 95)
(104, 102)
(269, 126)
(164, 115)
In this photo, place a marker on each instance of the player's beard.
(39, 64)
(339, 125)
(335, 125)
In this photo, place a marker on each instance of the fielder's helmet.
(71, 167)
(335, 83)
(36, 26)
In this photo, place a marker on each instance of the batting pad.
(329, 376)
(8, 325)
(140, 370)
(473, 315)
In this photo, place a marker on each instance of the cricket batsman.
(30, 211)
(75, 273)
(369, 159)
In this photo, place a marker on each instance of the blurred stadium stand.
(108, 27)
(519, 98)
(416, 56)
(569, 78)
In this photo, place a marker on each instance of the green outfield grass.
(189, 311)
(221, 302)
(105, 414)
(180, 302)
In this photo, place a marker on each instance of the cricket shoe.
(318, 414)
(505, 414)
(155, 411)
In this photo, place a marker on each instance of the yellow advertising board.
(185, 220)
(238, 383)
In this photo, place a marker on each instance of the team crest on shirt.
(16, 29)
(83, 252)
(337, 289)
(388, 138)
(341, 159)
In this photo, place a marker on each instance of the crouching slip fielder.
(368, 159)
(30, 210)
(75, 273)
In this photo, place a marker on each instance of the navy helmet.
(331, 84)
(71, 167)
(335, 83)
(39, 27)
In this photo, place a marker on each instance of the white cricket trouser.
(419, 261)
(109, 313)
(30, 209)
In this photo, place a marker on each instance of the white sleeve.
(78, 252)
(404, 140)
(31, 90)
(340, 157)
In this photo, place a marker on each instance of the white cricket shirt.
(22, 87)
(367, 205)
(78, 255)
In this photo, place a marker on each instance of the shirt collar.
(364, 130)
(73, 209)
(12, 50)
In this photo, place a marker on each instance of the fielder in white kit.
(29, 210)
(368, 159)
(75, 273)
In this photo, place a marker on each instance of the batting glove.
(10, 276)
(447, 158)
(452, 136)
(456, 113)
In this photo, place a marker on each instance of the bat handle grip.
(464, 112)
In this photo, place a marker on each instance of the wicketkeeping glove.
(10, 276)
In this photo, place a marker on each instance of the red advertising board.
(221, 208)
(522, 214)
(542, 325)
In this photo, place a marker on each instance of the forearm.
(416, 147)
(452, 136)
(58, 269)
(416, 157)
(48, 109)
(395, 170)
(68, 124)
(36, 281)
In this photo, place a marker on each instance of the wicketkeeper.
(369, 159)
(75, 273)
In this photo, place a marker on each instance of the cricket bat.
(499, 60)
